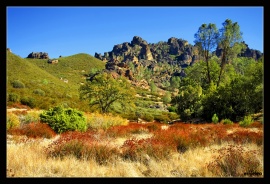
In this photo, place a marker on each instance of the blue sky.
(67, 31)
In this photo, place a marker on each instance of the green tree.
(230, 41)
(206, 38)
(188, 102)
(103, 91)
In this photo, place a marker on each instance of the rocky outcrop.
(247, 52)
(145, 52)
(38, 55)
(156, 61)
(255, 54)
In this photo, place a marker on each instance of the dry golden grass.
(29, 160)
(26, 157)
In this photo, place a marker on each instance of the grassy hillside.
(42, 85)
(71, 68)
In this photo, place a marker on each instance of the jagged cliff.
(161, 60)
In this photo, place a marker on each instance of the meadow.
(130, 149)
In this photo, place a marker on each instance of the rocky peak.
(38, 55)
(137, 41)
(163, 59)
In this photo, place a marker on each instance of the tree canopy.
(102, 91)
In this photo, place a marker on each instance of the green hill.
(43, 86)
(72, 68)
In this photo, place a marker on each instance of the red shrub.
(245, 136)
(256, 124)
(122, 131)
(34, 130)
(136, 149)
(82, 145)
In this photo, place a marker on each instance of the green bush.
(29, 101)
(227, 122)
(172, 109)
(62, 119)
(17, 84)
(248, 120)
(12, 121)
(39, 92)
(13, 97)
(215, 118)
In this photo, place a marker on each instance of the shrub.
(39, 92)
(38, 130)
(235, 161)
(64, 119)
(17, 84)
(82, 146)
(12, 121)
(29, 101)
(139, 149)
(172, 109)
(13, 97)
(246, 122)
(227, 122)
(215, 118)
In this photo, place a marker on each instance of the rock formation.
(160, 60)
(38, 55)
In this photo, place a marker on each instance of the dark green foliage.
(64, 119)
(13, 97)
(240, 92)
(230, 41)
(172, 109)
(29, 101)
(39, 92)
(17, 84)
(188, 102)
(206, 39)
